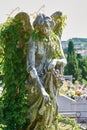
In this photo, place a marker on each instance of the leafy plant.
(72, 63)
(13, 48)
(15, 75)
(65, 122)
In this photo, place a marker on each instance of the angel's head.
(43, 24)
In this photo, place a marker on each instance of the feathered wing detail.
(25, 30)
(57, 19)
(25, 19)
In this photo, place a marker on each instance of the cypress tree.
(72, 62)
(82, 62)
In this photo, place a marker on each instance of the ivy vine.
(13, 41)
(13, 49)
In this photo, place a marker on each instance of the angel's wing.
(25, 30)
(25, 19)
(57, 19)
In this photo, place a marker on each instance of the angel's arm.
(56, 61)
(32, 70)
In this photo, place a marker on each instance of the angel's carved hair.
(43, 24)
(43, 20)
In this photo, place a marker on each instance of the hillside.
(77, 40)
(80, 44)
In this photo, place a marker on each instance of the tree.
(72, 62)
(82, 62)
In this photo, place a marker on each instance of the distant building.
(80, 45)
(82, 52)
(68, 77)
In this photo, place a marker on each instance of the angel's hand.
(62, 61)
(46, 98)
(52, 65)
(55, 62)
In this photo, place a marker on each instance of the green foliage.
(60, 24)
(64, 123)
(67, 122)
(13, 38)
(53, 42)
(82, 62)
(13, 48)
(72, 62)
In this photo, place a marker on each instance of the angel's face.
(46, 30)
(44, 25)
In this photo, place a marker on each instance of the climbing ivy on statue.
(13, 39)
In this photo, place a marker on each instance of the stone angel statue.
(45, 64)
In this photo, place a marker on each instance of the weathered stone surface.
(45, 68)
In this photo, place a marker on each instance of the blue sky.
(74, 9)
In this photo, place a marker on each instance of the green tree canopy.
(72, 62)
(82, 62)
